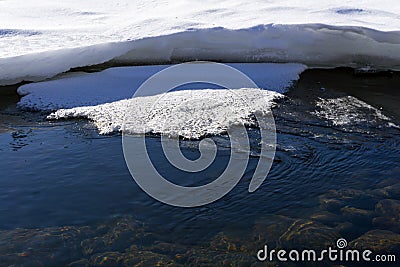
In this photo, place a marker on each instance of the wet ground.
(67, 197)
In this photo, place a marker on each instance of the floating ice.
(187, 113)
(348, 111)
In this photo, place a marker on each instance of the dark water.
(57, 174)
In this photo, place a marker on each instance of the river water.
(67, 196)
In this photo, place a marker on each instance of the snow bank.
(313, 45)
(40, 40)
(121, 83)
(188, 113)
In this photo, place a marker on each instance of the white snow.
(121, 83)
(188, 113)
(39, 39)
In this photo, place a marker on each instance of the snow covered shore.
(40, 40)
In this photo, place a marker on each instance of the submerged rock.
(228, 243)
(131, 257)
(378, 241)
(348, 230)
(332, 205)
(388, 208)
(357, 216)
(103, 245)
(334, 200)
(117, 236)
(327, 218)
(386, 224)
(309, 234)
(390, 191)
(107, 259)
(389, 181)
(34, 247)
(171, 249)
(389, 215)
(268, 230)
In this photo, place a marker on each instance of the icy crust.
(188, 113)
(120, 83)
(315, 45)
(350, 111)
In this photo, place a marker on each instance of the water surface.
(63, 173)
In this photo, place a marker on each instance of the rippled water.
(55, 174)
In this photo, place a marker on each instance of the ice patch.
(348, 111)
(188, 113)
(121, 83)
